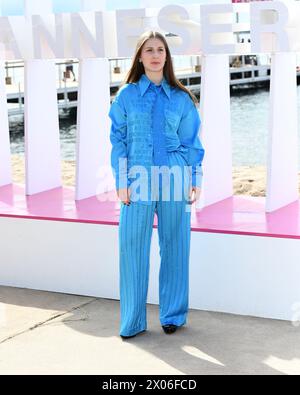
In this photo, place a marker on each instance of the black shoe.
(170, 328)
(128, 337)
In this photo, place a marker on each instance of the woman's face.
(153, 55)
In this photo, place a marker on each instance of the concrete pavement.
(52, 333)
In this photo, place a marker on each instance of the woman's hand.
(124, 195)
(194, 194)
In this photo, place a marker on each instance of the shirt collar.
(144, 83)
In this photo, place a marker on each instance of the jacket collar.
(144, 83)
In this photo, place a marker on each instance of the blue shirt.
(160, 156)
(147, 122)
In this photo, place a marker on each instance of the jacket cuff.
(197, 176)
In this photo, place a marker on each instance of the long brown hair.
(137, 68)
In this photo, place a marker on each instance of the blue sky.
(16, 7)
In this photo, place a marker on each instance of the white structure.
(216, 129)
(86, 36)
(238, 274)
(262, 271)
(5, 162)
(282, 186)
(42, 148)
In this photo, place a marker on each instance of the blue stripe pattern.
(135, 232)
(155, 125)
(135, 124)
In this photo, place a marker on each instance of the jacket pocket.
(172, 121)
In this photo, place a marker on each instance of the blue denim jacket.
(131, 133)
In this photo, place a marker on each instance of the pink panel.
(243, 215)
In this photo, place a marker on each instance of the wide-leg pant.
(135, 232)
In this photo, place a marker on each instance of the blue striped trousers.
(135, 232)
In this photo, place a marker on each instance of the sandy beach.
(247, 180)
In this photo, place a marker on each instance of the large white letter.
(8, 38)
(43, 39)
(174, 19)
(87, 30)
(129, 27)
(263, 20)
(219, 26)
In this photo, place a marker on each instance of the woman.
(155, 125)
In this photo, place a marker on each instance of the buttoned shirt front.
(148, 121)
(160, 155)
